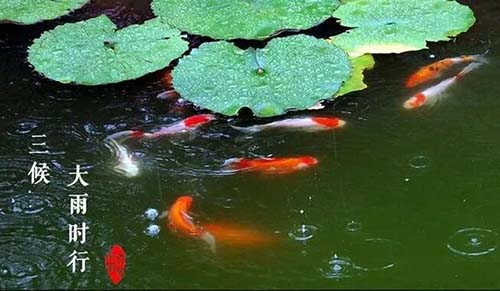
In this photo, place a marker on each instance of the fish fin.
(164, 214)
(229, 162)
(210, 240)
(249, 129)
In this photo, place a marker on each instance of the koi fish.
(188, 124)
(271, 165)
(433, 94)
(126, 165)
(309, 124)
(180, 221)
(239, 237)
(435, 70)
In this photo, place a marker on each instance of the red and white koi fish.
(186, 125)
(432, 95)
(180, 221)
(271, 165)
(309, 124)
(436, 69)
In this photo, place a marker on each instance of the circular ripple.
(339, 268)
(32, 262)
(354, 226)
(420, 162)
(29, 204)
(22, 127)
(303, 232)
(375, 254)
(473, 242)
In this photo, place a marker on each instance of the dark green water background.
(395, 191)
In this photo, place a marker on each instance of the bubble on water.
(303, 232)
(353, 226)
(420, 162)
(152, 230)
(473, 242)
(151, 213)
(339, 268)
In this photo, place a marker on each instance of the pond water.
(399, 198)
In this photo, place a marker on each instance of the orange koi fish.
(433, 94)
(271, 165)
(179, 221)
(186, 125)
(309, 124)
(240, 237)
(435, 70)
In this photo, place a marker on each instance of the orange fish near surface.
(272, 165)
(436, 69)
(432, 95)
(180, 221)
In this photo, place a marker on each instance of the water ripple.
(33, 262)
(473, 242)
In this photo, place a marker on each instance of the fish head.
(415, 101)
(309, 161)
(329, 122)
(198, 120)
(183, 203)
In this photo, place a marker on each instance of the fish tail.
(210, 240)
(249, 129)
(230, 163)
(235, 164)
(469, 68)
(480, 58)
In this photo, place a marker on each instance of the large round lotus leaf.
(32, 11)
(395, 26)
(248, 19)
(355, 83)
(290, 73)
(94, 52)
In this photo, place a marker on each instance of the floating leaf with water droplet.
(396, 26)
(230, 19)
(33, 11)
(94, 52)
(289, 73)
(355, 83)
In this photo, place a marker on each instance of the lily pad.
(289, 73)
(396, 26)
(33, 11)
(94, 52)
(248, 19)
(355, 83)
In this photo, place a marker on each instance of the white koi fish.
(126, 165)
(185, 125)
(309, 124)
(432, 95)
